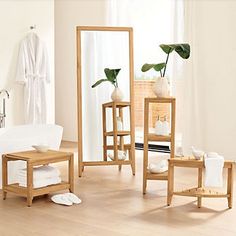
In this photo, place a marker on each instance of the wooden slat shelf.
(159, 138)
(119, 133)
(201, 192)
(161, 176)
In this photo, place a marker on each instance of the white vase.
(117, 95)
(161, 87)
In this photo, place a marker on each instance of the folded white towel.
(214, 164)
(41, 172)
(41, 182)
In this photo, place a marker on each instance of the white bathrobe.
(33, 72)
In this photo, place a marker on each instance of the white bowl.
(198, 154)
(41, 148)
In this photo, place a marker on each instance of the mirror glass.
(100, 50)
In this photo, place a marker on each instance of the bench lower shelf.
(201, 192)
(15, 188)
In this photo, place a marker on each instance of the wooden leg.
(29, 184)
(104, 131)
(199, 199)
(170, 183)
(133, 160)
(230, 186)
(145, 144)
(145, 165)
(80, 161)
(4, 176)
(115, 141)
(120, 167)
(71, 173)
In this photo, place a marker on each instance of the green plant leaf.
(183, 50)
(167, 48)
(156, 67)
(108, 73)
(159, 67)
(111, 74)
(99, 82)
(147, 67)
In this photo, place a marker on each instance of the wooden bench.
(34, 158)
(199, 191)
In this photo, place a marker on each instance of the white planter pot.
(117, 95)
(161, 87)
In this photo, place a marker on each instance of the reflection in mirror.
(101, 140)
(100, 50)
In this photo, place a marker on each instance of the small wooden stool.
(199, 191)
(34, 158)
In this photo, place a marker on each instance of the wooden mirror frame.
(79, 29)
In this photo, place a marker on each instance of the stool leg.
(230, 186)
(199, 199)
(71, 173)
(4, 176)
(29, 184)
(170, 183)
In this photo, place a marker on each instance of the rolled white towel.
(41, 172)
(214, 164)
(41, 182)
(121, 155)
(160, 167)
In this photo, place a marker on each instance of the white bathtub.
(21, 138)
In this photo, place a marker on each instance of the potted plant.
(111, 76)
(161, 86)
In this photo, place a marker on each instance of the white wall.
(68, 15)
(213, 37)
(15, 19)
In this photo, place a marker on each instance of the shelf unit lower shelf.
(201, 192)
(159, 138)
(119, 133)
(160, 176)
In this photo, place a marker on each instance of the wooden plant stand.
(156, 138)
(199, 191)
(32, 159)
(117, 135)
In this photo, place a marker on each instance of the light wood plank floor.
(113, 204)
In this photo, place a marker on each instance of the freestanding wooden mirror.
(100, 139)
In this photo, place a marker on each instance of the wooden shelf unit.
(200, 191)
(117, 134)
(151, 137)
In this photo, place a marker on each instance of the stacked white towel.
(214, 164)
(42, 176)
